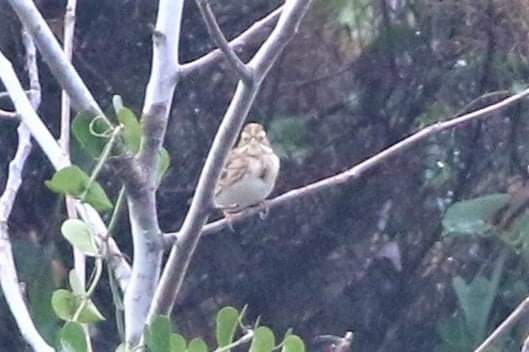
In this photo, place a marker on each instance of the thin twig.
(52, 53)
(519, 312)
(57, 158)
(253, 34)
(8, 115)
(359, 169)
(240, 69)
(8, 275)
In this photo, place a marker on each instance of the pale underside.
(247, 181)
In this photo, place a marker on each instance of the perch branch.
(359, 169)
(182, 252)
(218, 37)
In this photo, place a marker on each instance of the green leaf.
(158, 334)
(132, 131)
(73, 181)
(91, 143)
(473, 217)
(97, 197)
(72, 338)
(65, 304)
(197, 345)
(227, 320)
(177, 343)
(79, 234)
(474, 299)
(293, 343)
(454, 334)
(69, 180)
(164, 161)
(90, 313)
(263, 340)
(75, 283)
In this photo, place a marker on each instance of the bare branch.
(141, 200)
(518, 313)
(181, 253)
(58, 159)
(64, 139)
(8, 115)
(52, 53)
(359, 169)
(8, 275)
(218, 37)
(255, 33)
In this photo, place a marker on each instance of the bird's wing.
(234, 170)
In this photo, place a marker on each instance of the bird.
(249, 174)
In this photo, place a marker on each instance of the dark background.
(359, 76)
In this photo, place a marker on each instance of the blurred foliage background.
(371, 256)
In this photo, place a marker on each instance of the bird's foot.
(264, 209)
(230, 218)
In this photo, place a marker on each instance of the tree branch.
(505, 326)
(182, 251)
(219, 39)
(58, 159)
(254, 33)
(52, 53)
(8, 115)
(359, 169)
(8, 275)
(143, 216)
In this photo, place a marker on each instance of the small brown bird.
(250, 172)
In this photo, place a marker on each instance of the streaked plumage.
(250, 171)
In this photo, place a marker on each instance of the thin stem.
(244, 339)
(105, 154)
(117, 211)
(240, 69)
(98, 269)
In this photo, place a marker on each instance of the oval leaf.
(263, 340)
(79, 234)
(293, 343)
(90, 313)
(473, 217)
(96, 197)
(158, 334)
(73, 181)
(64, 304)
(69, 180)
(177, 343)
(91, 143)
(132, 131)
(197, 345)
(227, 320)
(72, 338)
